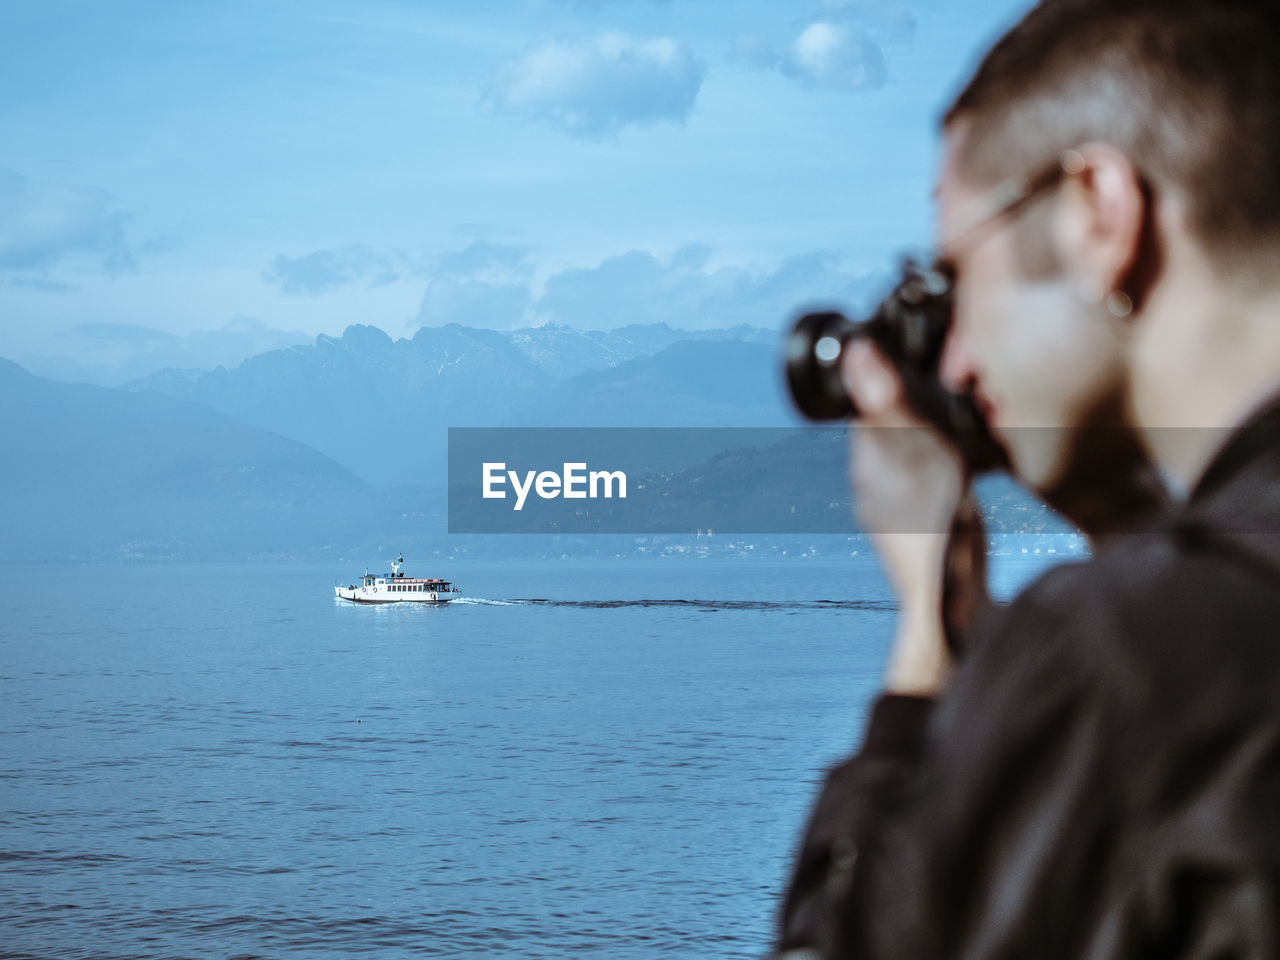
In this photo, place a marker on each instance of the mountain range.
(382, 407)
(335, 446)
(339, 448)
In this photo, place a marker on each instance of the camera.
(910, 328)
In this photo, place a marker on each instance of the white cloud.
(686, 289)
(41, 226)
(835, 56)
(474, 303)
(888, 20)
(841, 49)
(595, 88)
(482, 285)
(487, 261)
(323, 270)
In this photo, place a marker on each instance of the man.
(1099, 775)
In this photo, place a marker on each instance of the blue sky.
(192, 182)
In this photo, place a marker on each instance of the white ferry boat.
(395, 587)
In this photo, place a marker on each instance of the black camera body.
(910, 328)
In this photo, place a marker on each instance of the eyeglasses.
(1007, 196)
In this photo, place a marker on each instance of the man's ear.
(1100, 220)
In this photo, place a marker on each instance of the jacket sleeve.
(962, 827)
(854, 794)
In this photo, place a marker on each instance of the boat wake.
(887, 605)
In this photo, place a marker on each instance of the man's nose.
(956, 369)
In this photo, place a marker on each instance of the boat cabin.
(399, 583)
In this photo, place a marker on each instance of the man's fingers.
(870, 380)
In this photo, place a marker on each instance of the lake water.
(607, 759)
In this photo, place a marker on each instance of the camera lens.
(813, 353)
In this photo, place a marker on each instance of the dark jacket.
(1101, 778)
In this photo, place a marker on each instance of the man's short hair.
(1189, 90)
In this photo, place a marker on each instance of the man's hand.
(908, 481)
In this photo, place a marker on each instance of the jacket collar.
(1249, 443)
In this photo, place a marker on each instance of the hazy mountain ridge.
(106, 473)
(700, 383)
(382, 407)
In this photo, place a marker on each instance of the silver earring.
(1119, 303)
